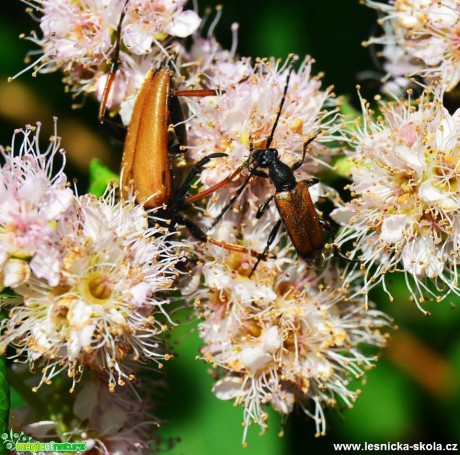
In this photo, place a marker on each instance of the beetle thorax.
(280, 173)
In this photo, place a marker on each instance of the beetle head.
(265, 157)
(270, 155)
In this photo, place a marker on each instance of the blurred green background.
(414, 393)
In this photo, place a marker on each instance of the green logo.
(20, 442)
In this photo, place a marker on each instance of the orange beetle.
(147, 161)
(293, 201)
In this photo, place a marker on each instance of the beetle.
(295, 206)
(298, 214)
(149, 165)
(149, 160)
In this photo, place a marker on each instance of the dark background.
(413, 395)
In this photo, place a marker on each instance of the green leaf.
(4, 402)
(100, 177)
(16, 399)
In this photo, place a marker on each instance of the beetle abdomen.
(146, 157)
(301, 221)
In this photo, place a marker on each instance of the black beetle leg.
(270, 240)
(264, 206)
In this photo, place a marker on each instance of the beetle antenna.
(232, 200)
(242, 187)
(253, 171)
(113, 67)
(283, 99)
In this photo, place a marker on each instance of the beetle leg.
(232, 200)
(252, 173)
(259, 173)
(113, 68)
(270, 240)
(200, 93)
(193, 228)
(264, 206)
(335, 249)
(198, 233)
(222, 184)
(233, 247)
(192, 174)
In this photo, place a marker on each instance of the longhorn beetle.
(292, 198)
(147, 162)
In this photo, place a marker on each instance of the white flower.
(193, 65)
(147, 22)
(33, 198)
(105, 305)
(79, 38)
(245, 111)
(427, 33)
(286, 336)
(77, 35)
(404, 215)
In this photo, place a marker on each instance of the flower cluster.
(285, 336)
(243, 115)
(280, 331)
(421, 37)
(87, 272)
(404, 215)
(32, 199)
(81, 39)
